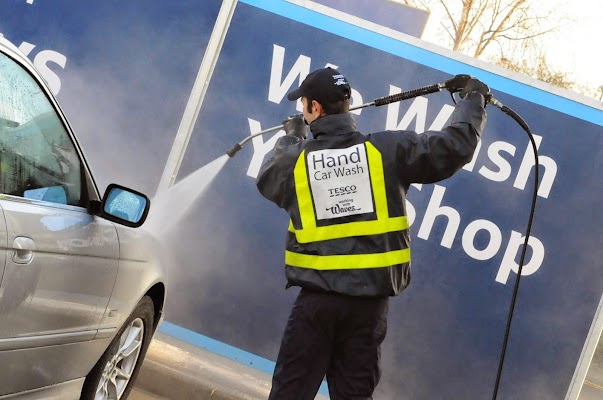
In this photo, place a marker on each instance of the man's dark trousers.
(333, 335)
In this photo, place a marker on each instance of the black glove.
(296, 126)
(477, 91)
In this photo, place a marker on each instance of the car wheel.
(114, 374)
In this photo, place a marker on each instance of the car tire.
(113, 376)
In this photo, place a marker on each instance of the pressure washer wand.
(377, 102)
(239, 145)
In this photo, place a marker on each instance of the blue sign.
(446, 330)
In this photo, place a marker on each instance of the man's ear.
(317, 106)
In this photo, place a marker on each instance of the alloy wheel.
(119, 368)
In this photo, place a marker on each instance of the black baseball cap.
(326, 85)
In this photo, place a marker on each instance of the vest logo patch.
(340, 182)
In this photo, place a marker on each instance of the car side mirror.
(124, 206)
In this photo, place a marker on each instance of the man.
(348, 239)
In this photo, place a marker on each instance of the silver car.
(81, 290)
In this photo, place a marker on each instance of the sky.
(575, 48)
(578, 48)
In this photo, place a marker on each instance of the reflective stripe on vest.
(312, 233)
(351, 261)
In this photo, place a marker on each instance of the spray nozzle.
(234, 150)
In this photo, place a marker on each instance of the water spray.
(455, 85)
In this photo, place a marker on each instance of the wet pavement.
(177, 370)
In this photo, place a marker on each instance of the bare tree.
(505, 32)
(539, 68)
(472, 26)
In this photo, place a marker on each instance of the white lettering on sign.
(504, 171)
(260, 148)
(41, 62)
(340, 182)
(435, 210)
(418, 112)
(279, 87)
(508, 263)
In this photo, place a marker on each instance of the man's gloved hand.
(296, 126)
(477, 91)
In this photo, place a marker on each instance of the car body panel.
(140, 268)
(62, 364)
(67, 284)
(66, 390)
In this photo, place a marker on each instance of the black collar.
(335, 124)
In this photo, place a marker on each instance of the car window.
(38, 160)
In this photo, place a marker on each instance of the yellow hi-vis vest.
(311, 233)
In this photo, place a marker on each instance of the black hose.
(525, 126)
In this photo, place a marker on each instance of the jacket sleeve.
(275, 179)
(436, 155)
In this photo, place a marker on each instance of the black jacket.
(408, 158)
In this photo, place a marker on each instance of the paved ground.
(139, 394)
(176, 370)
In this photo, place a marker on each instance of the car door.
(61, 265)
(61, 261)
